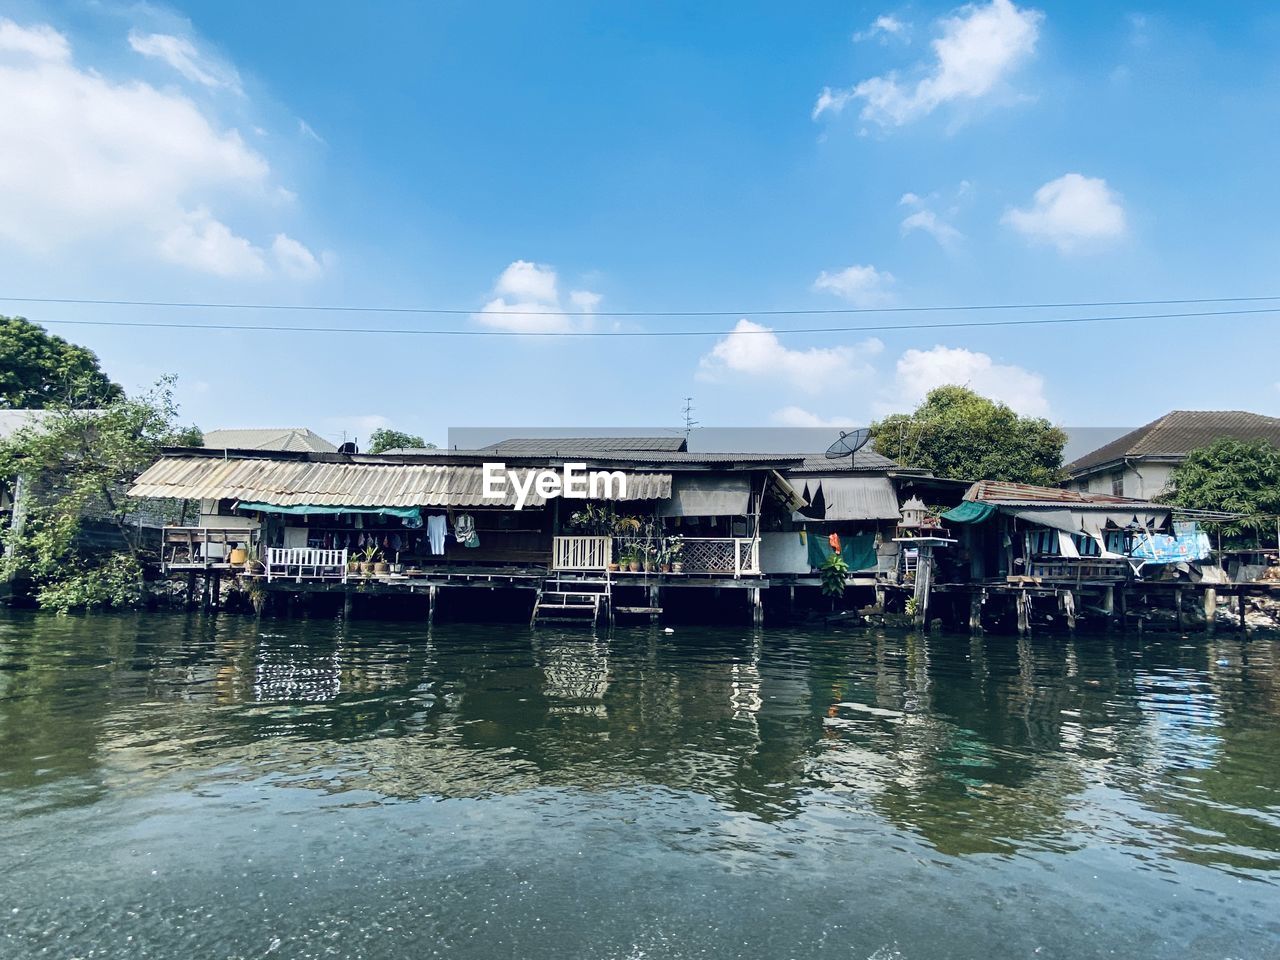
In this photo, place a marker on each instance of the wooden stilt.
(1024, 613)
(975, 612)
(1069, 608)
(191, 589)
(432, 593)
(1210, 609)
(346, 604)
(204, 592)
(1244, 627)
(216, 597)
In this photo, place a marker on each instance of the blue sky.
(595, 158)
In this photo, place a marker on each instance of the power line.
(471, 332)
(459, 312)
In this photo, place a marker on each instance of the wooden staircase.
(572, 598)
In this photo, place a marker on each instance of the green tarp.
(969, 512)
(859, 551)
(404, 513)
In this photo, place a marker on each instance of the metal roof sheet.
(855, 498)
(304, 482)
(558, 446)
(297, 439)
(1029, 495)
(1179, 432)
(697, 495)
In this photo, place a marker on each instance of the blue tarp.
(404, 513)
(1187, 544)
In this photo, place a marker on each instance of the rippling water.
(176, 786)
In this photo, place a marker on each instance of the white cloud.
(528, 281)
(919, 371)
(979, 47)
(181, 54)
(884, 26)
(40, 42)
(87, 158)
(754, 350)
(1071, 212)
(585, 300)
(862, 285)
(799, 417)
(294, 259)
(309, 132)
(208, 245)
(932, 224)
(526, 299)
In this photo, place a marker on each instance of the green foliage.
(1240, 476)
(113, 581)
(383, 439)
(958, 433)
(78, 463)
(835, 573)
(39, 370)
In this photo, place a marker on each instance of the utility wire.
(470, 332)
(457, 312)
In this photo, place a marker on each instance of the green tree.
(38, 369)
(1239, 476)
(77, 464)
(961, 434)
(383, 439)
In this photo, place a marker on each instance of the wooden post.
(757, 606)
(975, 612)
(217, 591)
(432, 593)
(346, 604)
(1244, 627)
(1069, 607)
(204, 592)
(1177, 609)
(924, 577)
(1210, 609)
(191, 589)
(1024, 613)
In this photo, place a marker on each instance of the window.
(1117, 484)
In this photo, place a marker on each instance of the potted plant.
(674, 546)
(380, 565)
(633, 560)
(368, 556)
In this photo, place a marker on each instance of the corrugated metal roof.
(303, 482)
(1026, 494)
(11, 421)
(584, 446)
(1179, 432)
(866, 459)
(294, 439)
(855, 498)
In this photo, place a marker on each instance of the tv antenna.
(689, 422)
(849, 444)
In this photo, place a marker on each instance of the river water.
(187, 786)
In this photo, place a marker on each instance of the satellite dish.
(849, 444)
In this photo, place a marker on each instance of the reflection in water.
(855, 775)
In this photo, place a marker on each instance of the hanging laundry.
(464, 529)
(437, 531)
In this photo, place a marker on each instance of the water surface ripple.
(190, 786)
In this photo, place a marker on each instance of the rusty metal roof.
(296, 482)
(1026, 494)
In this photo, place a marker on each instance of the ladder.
(572, 598)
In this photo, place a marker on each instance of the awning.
(707, 496)
(404, 513)
(1063, 520)
(969, 512)
(856, 498)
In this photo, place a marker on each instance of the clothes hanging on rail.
(464, 529)
(437, 531)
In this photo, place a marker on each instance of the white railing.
(310, 562)
(728, 555)
(581, 553)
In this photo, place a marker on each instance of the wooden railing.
(581, 553)
(1078, 568)
(189, 548)
(311, 563)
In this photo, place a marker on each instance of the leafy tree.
(383, 439)
(1239, 476)
(38, 369)
(77, 464)
(961, 434)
